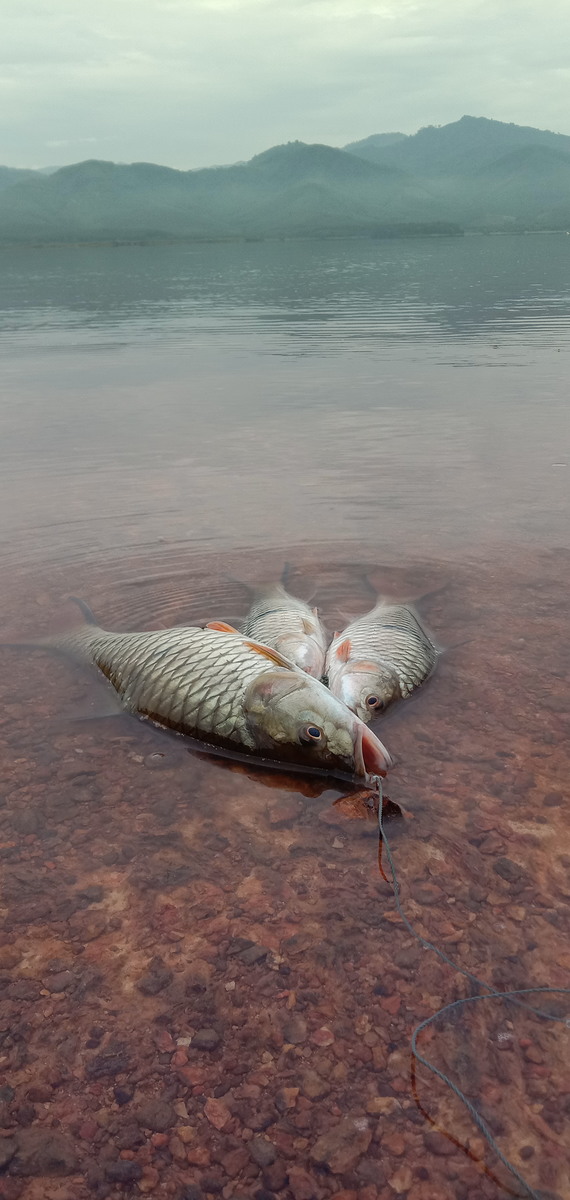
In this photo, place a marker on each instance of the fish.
(289, 626)
(379, 658)
(230, 692)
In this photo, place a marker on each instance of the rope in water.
(489, 993)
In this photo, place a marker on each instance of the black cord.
(490, 993)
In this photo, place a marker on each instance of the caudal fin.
(61, 632)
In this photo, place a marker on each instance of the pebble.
(206, 1039)
(340, 1147)
(124, 1171)
(217, 1113)
(43, 1152)
(262, 1151)
(302, 1184)
(295, 1030)
(157, 1115)
(438, 1144)
(322, 1036)
(313, 1087)
(401, 1181)
(156, 978)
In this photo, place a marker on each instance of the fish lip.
(370, 756)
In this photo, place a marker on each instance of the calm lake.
(205, 986)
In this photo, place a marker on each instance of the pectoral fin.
(343, 651)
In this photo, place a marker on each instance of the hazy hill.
(11, 175)
(461, 147)
(371, 147)
(473, 173)
(292, 189)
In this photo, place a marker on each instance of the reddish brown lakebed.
(205, 987)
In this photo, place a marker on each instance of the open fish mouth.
(370, 756)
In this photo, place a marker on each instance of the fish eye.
(313, 733)
(374, 702)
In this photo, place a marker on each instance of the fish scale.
(290, 626)
(167, 675)
(230, 692)
(382, 656)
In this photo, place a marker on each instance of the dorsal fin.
(273, 655)
(343, 651)
(90, 618)
(221, 627)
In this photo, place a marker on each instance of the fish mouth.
(370, 756)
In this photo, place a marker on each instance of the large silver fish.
(381, 657)
(229, 692)
(287, 624)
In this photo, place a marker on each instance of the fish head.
(367, 688)
(293, 717)
(305, 651)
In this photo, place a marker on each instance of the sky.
(193, 83)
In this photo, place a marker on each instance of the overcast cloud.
(195, 82)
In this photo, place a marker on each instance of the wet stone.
(262, 1151)
(91, 895)
(124, 1171)
(129, 1138)
(253, 954)
(39, 1093)
(340, 1147)
(43, 1152)
(206, 1039)
(157, 1115)
(436, 1143)
(275, 1177)
(508, 870)
(8, 1148)
(107, 1063)
(295, 1030)
(156, 978)
(60, 982)
(313, 1087)
(24, 989)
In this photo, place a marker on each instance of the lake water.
(204, 981)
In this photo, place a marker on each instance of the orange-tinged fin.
(221, 627)
(308, 626)
(273, 655)
(363, 665)
(343, 651)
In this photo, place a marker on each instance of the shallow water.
(178, 421)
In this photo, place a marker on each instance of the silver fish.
(381, 657)
(230, 692)
(289, 626)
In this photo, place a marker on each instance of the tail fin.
(392, 596)
(61, 636)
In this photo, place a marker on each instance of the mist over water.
(176, 423)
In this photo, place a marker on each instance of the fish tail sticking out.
(70, 636)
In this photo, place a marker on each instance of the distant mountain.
(11, 175)
(371, 148)
(471, 174)
(462, 147)
(289, 190)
